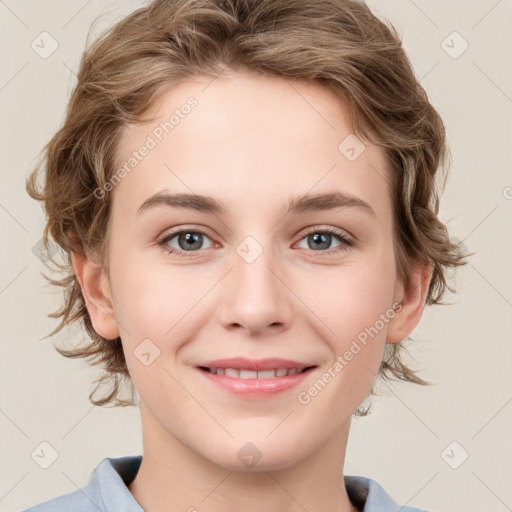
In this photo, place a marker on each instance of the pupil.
(321, 239)
(192, 238)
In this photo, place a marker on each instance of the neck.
(174, 477)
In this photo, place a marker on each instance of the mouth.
(255, 379)
(252, 374)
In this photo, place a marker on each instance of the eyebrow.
(299, 204)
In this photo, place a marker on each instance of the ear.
(412, 298)
(95, 285)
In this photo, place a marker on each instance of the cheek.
(353, 305)
(157, 309)
(353, 295)
(155, 300)
(351, 311)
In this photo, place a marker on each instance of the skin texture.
(252, 142)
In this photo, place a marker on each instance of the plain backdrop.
(445, 447)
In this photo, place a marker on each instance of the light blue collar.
(107, 491)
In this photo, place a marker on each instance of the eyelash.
(183, 254)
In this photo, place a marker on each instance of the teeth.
(267, 374)
(251, 374)
(228, 372)
(248, 374)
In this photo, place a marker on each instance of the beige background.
(465, 348)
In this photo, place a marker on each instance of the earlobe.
(412, 302)
(97, 294)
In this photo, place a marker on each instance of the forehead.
(263, 139)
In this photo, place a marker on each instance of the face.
(244, 275)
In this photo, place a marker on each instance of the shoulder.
(76, 501)
(105, 490)
(369, 496)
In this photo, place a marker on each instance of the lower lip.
(256, 388)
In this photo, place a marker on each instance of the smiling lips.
(246, 368)
(255, 378)
(250, 374)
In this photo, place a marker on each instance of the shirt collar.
(113, 475)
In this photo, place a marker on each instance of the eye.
(184, 241)
(187, 240)
(321, 239)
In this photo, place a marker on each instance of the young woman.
(246, 191)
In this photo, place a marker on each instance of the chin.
(257, 456)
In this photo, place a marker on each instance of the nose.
(256, 296)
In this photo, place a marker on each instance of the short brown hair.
(339, 44)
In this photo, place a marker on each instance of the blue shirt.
(107, 491)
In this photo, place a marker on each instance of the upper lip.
(243, 363)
